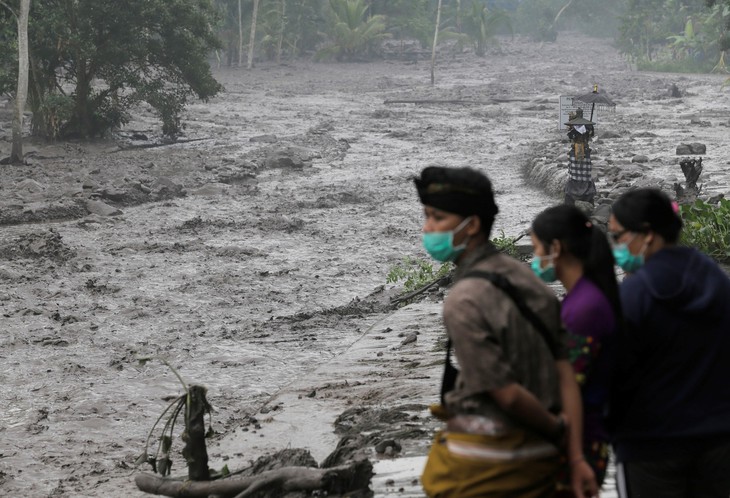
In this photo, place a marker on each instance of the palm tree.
(482, 24)
(352, 32)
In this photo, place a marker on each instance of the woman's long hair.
(580, 238)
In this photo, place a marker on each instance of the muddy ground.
(252, 256)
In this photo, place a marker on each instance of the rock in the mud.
(269, 139)
(630, 171)
(290, 157)
(92, 219)
(164, 188)
(212, 190)
(690, 149)
(102, 209)
(29, 185)
(114, 194)
(601, 214)
(7, 274)
(640, 158)
(609, 134)
(586, 207)
(388, 446)
(412, 337)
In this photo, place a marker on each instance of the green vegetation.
(507, 245)
(353, 33)
(93, 60)
(676, 35)
(482, 25)
(707, 227)
(417, 272)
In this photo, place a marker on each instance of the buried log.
(336, 480)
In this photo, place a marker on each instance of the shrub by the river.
(707, 227)
(417, 272)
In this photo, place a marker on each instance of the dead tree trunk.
(252, 38)
(335, 481)
(435, 42)
(194, 452)
(692, 169)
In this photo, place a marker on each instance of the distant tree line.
(91, 61)
(676, 35)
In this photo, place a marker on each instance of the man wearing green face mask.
(507, 408)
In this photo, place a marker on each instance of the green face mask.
(546, 274)
(440, 245)
(625, 260)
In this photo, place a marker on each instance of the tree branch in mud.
(336, 480)
(161, 144)
(454, 101)
(441, 282)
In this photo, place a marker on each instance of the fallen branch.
(434, 101)
(336, 480)
(162, 144)
(456, 101)
(441, 282)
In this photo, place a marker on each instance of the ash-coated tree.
(92, 61)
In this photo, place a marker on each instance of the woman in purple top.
(570, 249)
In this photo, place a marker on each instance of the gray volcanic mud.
(253, 257)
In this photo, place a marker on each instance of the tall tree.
(240, 33)
(435, 42)
(281, 31)
(113, 55)
(21, 89)
(21, 93)
(252, 38)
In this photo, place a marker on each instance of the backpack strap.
(501, 282)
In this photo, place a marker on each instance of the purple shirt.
(591, 323)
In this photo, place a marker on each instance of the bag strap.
(500, 282)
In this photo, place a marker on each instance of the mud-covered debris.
(39, 245)
(291, 457)
(388, 447)
(101, 209)
(270, 139)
